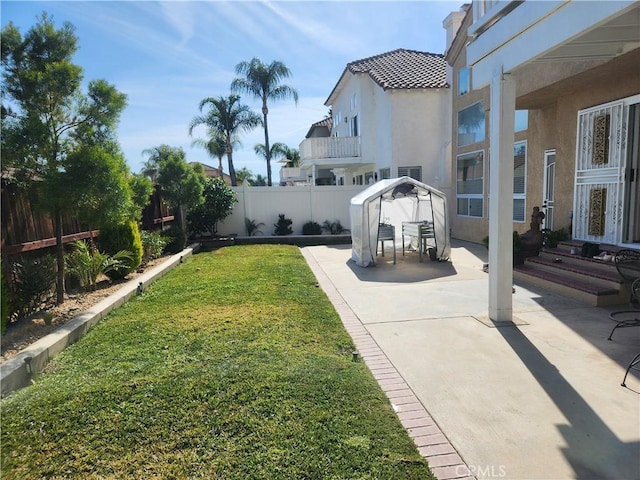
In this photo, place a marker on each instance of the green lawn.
(234, 365)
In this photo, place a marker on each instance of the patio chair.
(628, 266)
(387, 232)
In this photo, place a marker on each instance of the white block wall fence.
(300, 204)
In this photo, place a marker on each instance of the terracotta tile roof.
(404, 69)
(325, 122)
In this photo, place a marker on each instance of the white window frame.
(467, 83)
(480, 130)
(520, 196)
(355, 127)
(471, 196)
(413, 172)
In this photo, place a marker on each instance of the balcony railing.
(290, 173)
(329, 147)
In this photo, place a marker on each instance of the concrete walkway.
(537, 400)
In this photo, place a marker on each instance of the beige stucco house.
(546, 112)
(388, 118)
(557, 103)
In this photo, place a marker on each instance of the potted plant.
(518, 256)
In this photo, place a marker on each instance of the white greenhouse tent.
(392, 202)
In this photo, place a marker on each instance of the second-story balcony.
(507, 34)
(330, 151)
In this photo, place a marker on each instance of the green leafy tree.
(218, 203)
(142, 190)
(47, 119)
(264, 82)
(229, 117)
(97, 183)
(181, 183)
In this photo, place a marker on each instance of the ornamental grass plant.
(234, 365)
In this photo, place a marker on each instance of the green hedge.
(116, 238)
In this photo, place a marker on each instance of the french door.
(602, 211)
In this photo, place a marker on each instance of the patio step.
(586, 291)
(583, 263)
(587, 271)
(589, 280)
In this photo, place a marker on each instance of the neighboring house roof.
(213, 172)
(400, 69)
(321, 128)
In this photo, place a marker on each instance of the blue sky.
(167, 56)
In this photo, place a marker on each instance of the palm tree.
(216, 146)
(263, 82)
(228, 116)
(151, 167)
(244, 174)
(260, 181)
(277, 150)
(293, 157)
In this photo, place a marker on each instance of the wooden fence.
(25, 227)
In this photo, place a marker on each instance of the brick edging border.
(432, 444)
(14, 372)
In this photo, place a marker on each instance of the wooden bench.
(387, 232)
(423, 232)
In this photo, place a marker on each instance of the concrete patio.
(540, 399)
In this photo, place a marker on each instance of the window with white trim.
(464, 81)
(354, 126)
(470, 184)
(471, 124)
(519, 181)
(385, 173)
(413, 172)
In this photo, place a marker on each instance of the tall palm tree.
(263, 82)
(228, 116)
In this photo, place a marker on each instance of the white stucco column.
(501, 138)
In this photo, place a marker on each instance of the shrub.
(153, 244)
(217, 204)
(253, 227)
(4, 300)
(33, 281)
(86, 264)
(334, 228)
(517, 243)
(118, 238)
(283, 227)
(311, 228)
(553, 237)
(176, 240)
